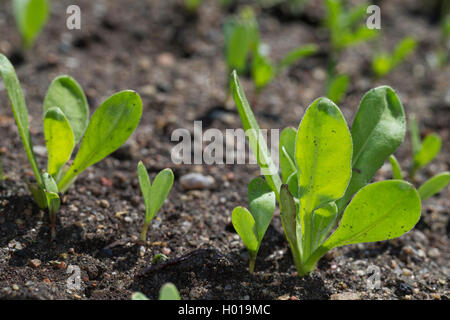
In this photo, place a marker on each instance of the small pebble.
(192, 181)
(35, 263)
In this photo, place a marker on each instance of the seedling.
(347, 28)
(241, 39)
(252, 225)
(31, 17)
(324, 164)
(423, 153)
(168, 292)
(154, 195)
(66, 123)
(264, 70)
(384, 62)
(192, 5)
(242, 42)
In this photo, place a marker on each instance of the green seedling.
(192, 5)
(383, 63)
(423, 153)
(241, 39)
(264, 70)
(252, 225)
(154, 195)
(324, 165)
(66, 123)
(346, 28)
(31, 17)
(168, 292)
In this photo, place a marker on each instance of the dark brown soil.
(176, 63)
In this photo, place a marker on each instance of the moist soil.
(175, 61)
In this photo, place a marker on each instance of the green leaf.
(323, 154)
(324, 219)
(262, 71)
(434, 185)
(245, 225)
(169, 292)
(414, 132)
(31, 16)
(429, 149)
(110, 126)
(403, 49)
(138, 296)
(20, 112)
(262, 204)
(379, 211)
(255, 138)
(297, 54)
(291, 223)
(338, 87)
(145, 185)
(377, 130)
(396, 169)
(381, 64)
(241, 38)
(158, 192)
(65, 93)
(286, 152)
(59, 139)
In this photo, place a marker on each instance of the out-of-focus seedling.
(346, 28)
(324, 165)
(192, 5)
(66, 123)
(383, 63)
(252, 225)
(31, 17)
(241, 39)
(168, 292)
(154, 195)
(423, 153)
(264, 70)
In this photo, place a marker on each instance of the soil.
(175, 61)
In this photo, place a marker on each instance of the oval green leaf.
(169, 292)
(379, 211)
(323, 154)
(59, 139)
(65, 93)
(245, 226)
(110, 126)
(428, 150)
(262, 204)
(30, 16)
(434, 185)
(378, 129)
(159, 192)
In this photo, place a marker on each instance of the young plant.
(383, 63)
(264, 70)
(252, 225)
(192, 5)
(423, 153)
(346, 28)
(31, 17)
(154, 195)
(66, 123)
(324, 165)
(168, 292)
(241, 39)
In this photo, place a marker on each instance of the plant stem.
(52, 224)
(144, 231)
(251, 267)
